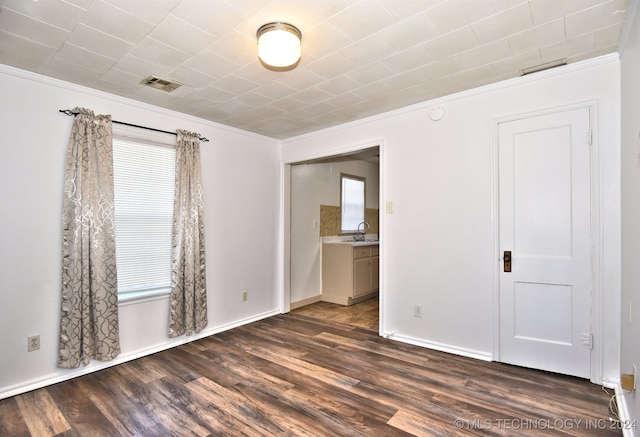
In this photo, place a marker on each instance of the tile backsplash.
(330, 220)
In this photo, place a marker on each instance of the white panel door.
(545, 311)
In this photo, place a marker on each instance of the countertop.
(370, 240)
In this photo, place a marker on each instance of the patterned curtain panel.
(188, 305)
(89, 304)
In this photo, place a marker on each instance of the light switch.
(389, 207)
(315, 224)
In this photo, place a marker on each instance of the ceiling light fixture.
(279, 45)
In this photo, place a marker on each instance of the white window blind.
(144, 177)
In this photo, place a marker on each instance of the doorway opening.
(312, 215)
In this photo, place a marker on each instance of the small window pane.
(352, 203)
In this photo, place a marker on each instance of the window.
(351, 202)
(144, 175)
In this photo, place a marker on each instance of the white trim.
(64, 375)
(597, 256)
(442, 347)
(304, 302)
(623, 411)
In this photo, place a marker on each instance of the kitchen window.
(352, 198)
(144, 174)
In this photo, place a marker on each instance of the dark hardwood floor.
(301, 376)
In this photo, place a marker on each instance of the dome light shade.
(279, 44)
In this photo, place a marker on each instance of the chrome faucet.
(360, 235)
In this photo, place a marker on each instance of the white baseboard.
(623, 412)
(470, 353)
(63, 374)
(305, 302)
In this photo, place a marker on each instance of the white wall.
(438, 245)
(630, 329)
(313, 185)
(241, 190)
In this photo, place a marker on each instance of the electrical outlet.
(245, 295)
(33, 343)
(417, 311)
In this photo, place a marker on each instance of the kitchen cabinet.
(350, 272)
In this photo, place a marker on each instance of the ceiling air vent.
(165, 85)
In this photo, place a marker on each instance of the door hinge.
(587, 340)
(588, 137)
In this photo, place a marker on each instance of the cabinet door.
(361, 276)
(375, 273)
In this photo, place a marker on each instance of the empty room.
(319, 217)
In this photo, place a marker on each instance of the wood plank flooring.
(294, 375)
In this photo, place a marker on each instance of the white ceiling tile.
(359, 22)
(361, 52)
(408, 8)
(442, 67)
(235, 47)
(254, 99)
(331, 66)
(409, 59)
(274, 90)
(506, 22)
(537, 37)
(311, 95)
(322, 40)
(345, 99)
(257, 73)
(85, 58)
(404, 80)
(474, 77)
(234, 84)
(211, 64)
(247, 7)
(156, 52)
(32, 29)
(189, 76)
(121, 77)
(370, 73)
(485, 54)
(25, 54)
(549, 10)
(581, 44)
(453, 42)
(114, 21)
(410, 32)
(300, 78)
(141, 67)
(61, 68)
(608, 37)
(214, 17)
(338, 85)
(54, 12)
(588, 20)
(373, 90)
(215, 94)
(518, 63)
(99, 42)
(176, 33)
(501, 5)
(454, 14)
(152, 11)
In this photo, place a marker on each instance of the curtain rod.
(70, 112)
